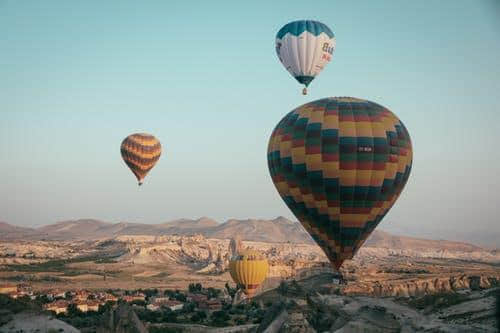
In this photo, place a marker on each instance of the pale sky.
(77, 77)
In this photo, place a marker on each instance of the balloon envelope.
(248, 270)
(140, 152)
(340, 164)
(304, 48)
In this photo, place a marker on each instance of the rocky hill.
(8, 231)
(278, 230)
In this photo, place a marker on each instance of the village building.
(14, 294)
(211, 304)
(108, 298)
(93, 306)
(25, 289)
(58, 293)
(153, 307)
(81, 295)
(173, 305)
(57, 306)
(196, 298)
(7, 288)
(82, 306)
(136, 297)
(159, 299)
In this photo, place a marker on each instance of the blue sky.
(77, 77)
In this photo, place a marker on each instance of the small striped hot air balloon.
(140, 151)
(249, 269)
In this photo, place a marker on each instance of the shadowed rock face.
(467, 311)
(419, 287)
(121, 320)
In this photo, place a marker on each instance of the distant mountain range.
(279, 229)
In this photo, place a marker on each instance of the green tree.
(230, 291)
(170, 317)
(73, 310)
(198, 317)
(213, 293)
(220, 318)
(194, 288)
(283, 288)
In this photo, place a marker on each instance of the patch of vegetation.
(162, 275)
(58, 265)
(80, 320)
(18, 305)
(436, 301)
(270, 315)
(403, 271)
(492, 293)
(105, 261)
(220, 318)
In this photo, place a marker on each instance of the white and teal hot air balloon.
(304, 48)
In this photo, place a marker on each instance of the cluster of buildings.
(17, 290)
(203, 303)
(157, 303)
(85, 301)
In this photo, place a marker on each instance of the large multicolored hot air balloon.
(248, 270)
(304, 48)
(340, 164)
(140, 152)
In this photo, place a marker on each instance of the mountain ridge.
(279, 229)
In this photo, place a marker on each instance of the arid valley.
(94, 255)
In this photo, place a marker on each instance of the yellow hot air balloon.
(249, 269)
(140, 152)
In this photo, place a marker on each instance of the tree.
(43, 299)
(188, 307)
(220, 318)
(193, 288)
(138, 302)
(283, 288)
(73, 310)
(213, 293)
(199, 316)
(149, 292)
(105, 307)
(170, 317)
(230, 291)
(180, 296)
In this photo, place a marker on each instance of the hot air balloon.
(340, 164)
(248, 270)
(304, 48)
(140, 152)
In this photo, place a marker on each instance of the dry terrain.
(389, 275)
(174, 254)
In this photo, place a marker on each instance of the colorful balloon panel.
(248, 270)
(304, 48)
(340, 164)
(140, 152)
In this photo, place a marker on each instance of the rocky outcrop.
(419, 287)
(296, 323)
(121, 320)
(476, 254)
